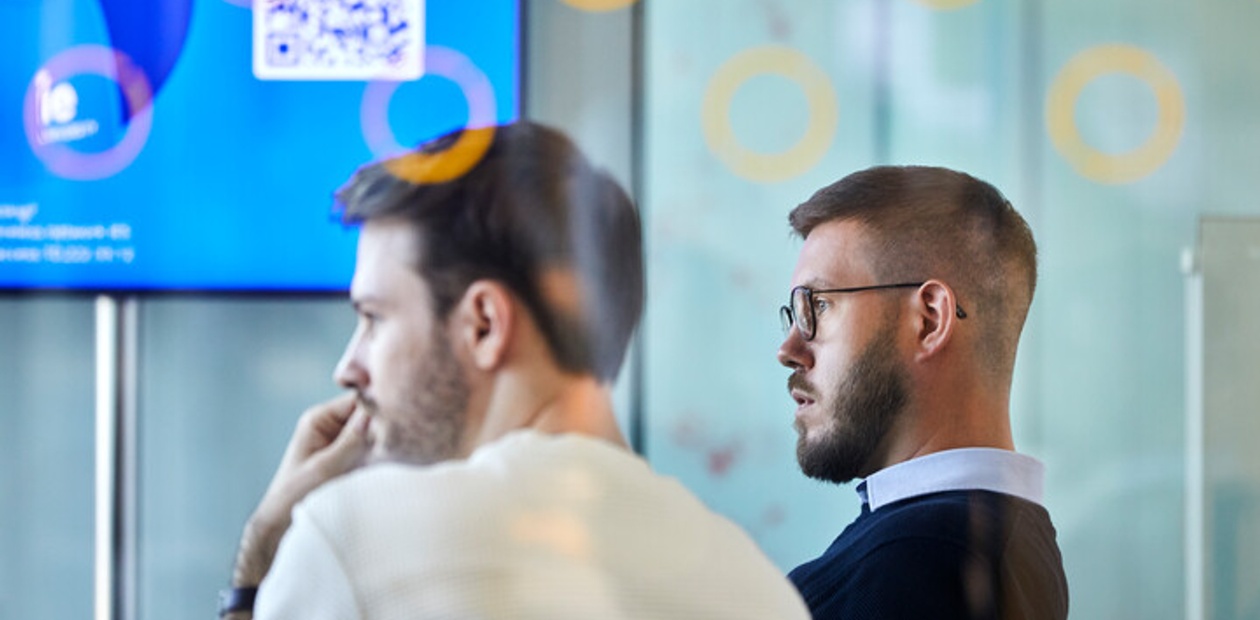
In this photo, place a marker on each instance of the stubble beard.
(431, 420)
(867, 402)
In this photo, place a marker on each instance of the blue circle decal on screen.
(441, 62)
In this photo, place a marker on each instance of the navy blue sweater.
(956, 554)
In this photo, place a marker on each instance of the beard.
(869, 399)
(427, 425)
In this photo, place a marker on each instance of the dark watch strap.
(236, 599)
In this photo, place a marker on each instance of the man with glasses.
(908, 300)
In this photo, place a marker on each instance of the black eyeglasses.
(800, 308)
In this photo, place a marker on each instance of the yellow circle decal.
(471, 144)
(1096, 62)
(447, 165)
(946, 5)
(598, 6)
(824, 113)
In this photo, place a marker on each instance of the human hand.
(330, 439)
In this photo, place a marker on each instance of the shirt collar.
(985, 469)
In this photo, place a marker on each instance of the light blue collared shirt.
(963, 469)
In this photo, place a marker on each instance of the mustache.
(796, 381)
(368, 403)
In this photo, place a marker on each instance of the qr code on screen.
(338, 39)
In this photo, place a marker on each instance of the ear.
(935, 318)
(486, 323)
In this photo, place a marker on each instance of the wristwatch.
(236, 599)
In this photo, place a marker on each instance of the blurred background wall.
(1114, 126)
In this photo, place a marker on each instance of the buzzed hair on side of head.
(928, 222)
(533, 213)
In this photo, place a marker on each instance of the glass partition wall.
(1114, 127)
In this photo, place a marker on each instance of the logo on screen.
(58, 105)
(55, 128)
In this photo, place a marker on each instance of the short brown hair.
(531, 208)
(928, 222)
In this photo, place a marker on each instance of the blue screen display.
(194, 145)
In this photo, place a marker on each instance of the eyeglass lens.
(802, 311)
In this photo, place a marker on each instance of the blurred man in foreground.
(476, 470)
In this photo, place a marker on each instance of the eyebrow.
(816, 283)
(358, 302)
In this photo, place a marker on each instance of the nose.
(793, 352)
(350, 373)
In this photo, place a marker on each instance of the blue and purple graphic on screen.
(194, 145)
